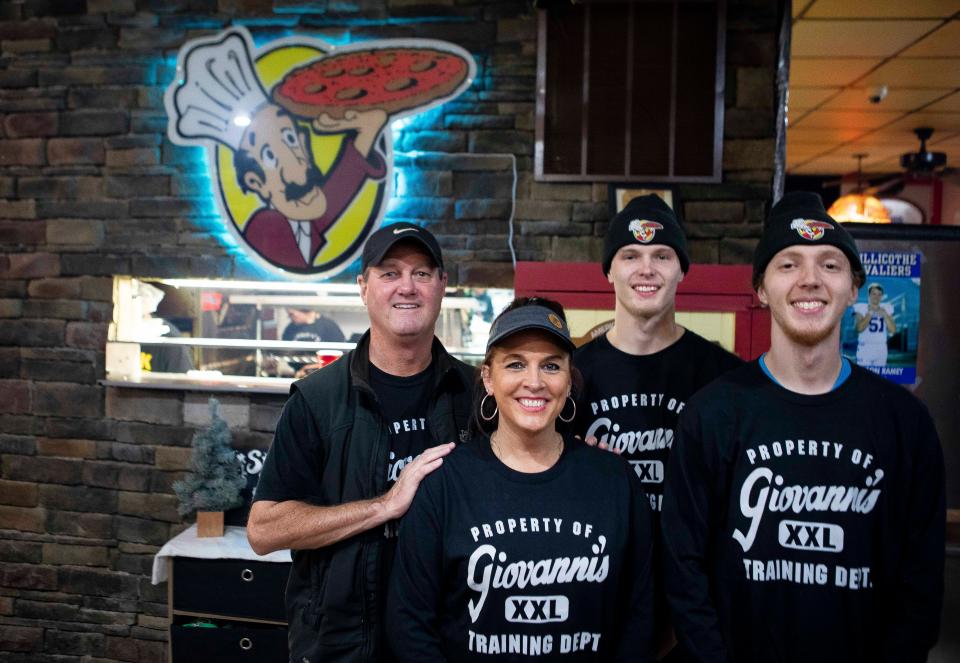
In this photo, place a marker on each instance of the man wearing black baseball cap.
(638, 376)
(351, 447)
(803, 515)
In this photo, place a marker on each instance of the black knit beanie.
(799, 218)
(645, 220)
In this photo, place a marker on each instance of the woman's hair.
(477, 423)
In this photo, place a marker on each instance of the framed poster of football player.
(881, 330)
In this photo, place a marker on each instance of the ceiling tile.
(820, 159)
(803, 151)
(941, 122)
(876, 147)
(916, 72)
(800, 6)
(857, 120)
(900, 136)
(882, 9)
(951, 103)
(829, 72)
(802, 98)
(798, 153)
(875, 153)
(806, 169)
(828, 165)
(855, 38)
(947, 141)
(830, 136)
(841, 43)
(897, 99)
(889, 165)
(881, 144)
(944, 43)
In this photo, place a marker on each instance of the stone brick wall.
(90, 187)
(86, 500)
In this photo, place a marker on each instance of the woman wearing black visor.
(527, 543)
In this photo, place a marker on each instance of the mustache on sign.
(294, 191)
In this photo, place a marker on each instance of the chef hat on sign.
(219, 90)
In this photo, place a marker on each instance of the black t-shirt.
(322, 329)
(167, 358)
(805, 528)
(632, 402)
(499, 565)
(404, 404)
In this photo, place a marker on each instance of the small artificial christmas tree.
(217, 479)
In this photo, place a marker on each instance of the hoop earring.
(496, 409)
(572, 416)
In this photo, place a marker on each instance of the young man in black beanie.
(639, 375)
(803, 515)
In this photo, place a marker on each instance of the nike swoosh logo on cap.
(397, 231)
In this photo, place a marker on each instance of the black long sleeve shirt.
(495, 564)
(805, 528)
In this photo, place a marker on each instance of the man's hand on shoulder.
(592, 442)
(397, 500)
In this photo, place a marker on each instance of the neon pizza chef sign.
(303, 171)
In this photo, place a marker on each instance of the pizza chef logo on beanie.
(644, 230)
(809, 229)
(798, 218)
(648, 220)
(296, 134)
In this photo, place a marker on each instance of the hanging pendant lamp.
(858, 207)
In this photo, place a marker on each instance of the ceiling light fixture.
(858, 206)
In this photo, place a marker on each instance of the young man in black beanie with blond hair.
(639, 375)
(803, 516)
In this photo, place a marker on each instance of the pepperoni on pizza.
(393, 80)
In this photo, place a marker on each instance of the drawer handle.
(246, 644)
(246, 575)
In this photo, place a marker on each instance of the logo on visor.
(643, 230)
(810, 229)
(555, 320)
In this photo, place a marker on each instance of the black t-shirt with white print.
(404, 404)
(805, 527)
(499, 565)
(632, 402)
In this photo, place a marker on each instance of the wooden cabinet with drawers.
(242, 598)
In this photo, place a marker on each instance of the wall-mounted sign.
(295, 133)
(881, 330)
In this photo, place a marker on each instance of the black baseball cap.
(799, 218)
(383, 240)
(645, 220)
(532, 316)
